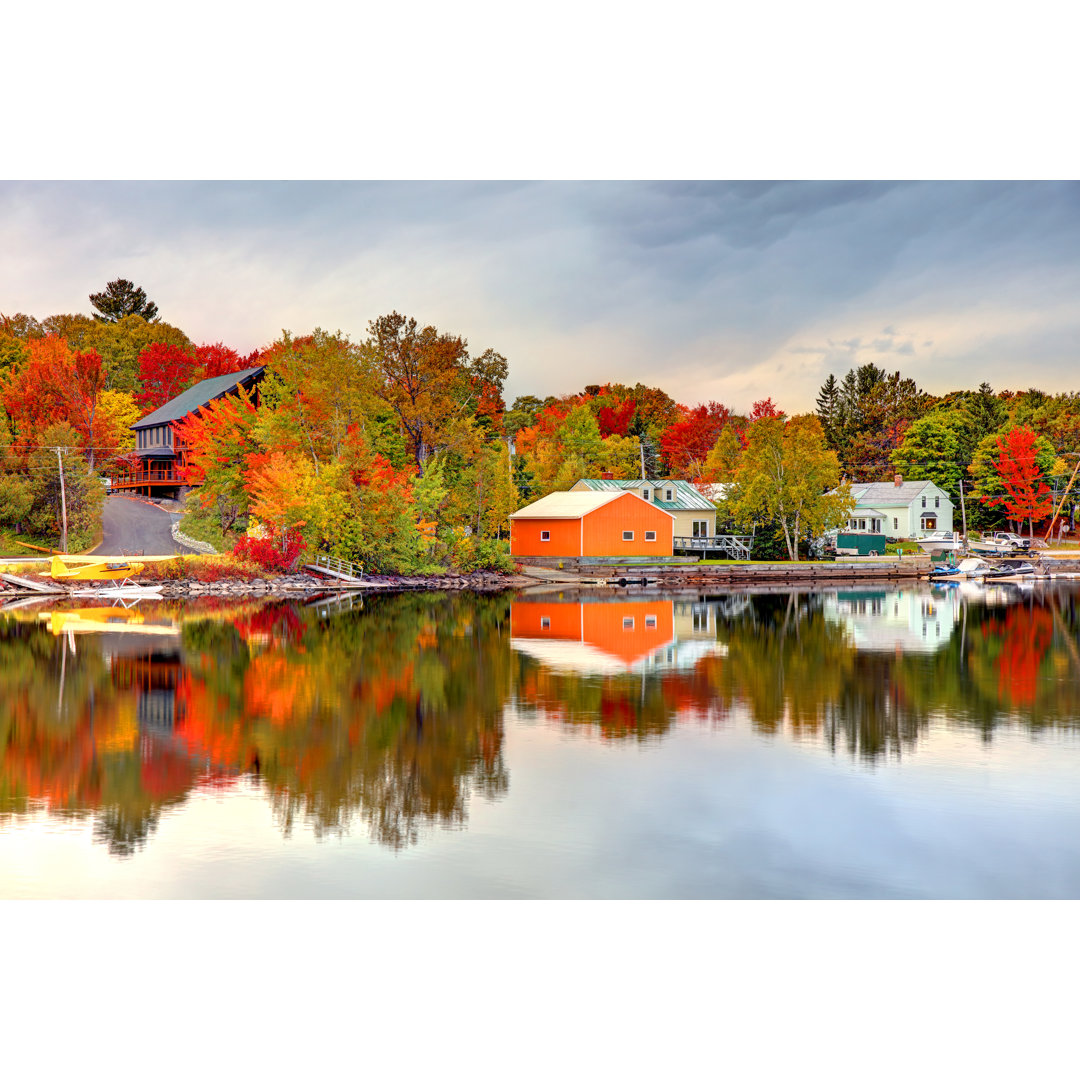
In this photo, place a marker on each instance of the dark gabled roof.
(202, 393)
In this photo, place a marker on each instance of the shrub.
(275, 553)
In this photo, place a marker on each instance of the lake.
(918, 742)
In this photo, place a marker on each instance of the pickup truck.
(1019, 543)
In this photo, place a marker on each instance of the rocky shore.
(301, 585)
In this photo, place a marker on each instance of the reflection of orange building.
(598, 637)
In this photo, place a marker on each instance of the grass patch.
(204, 525)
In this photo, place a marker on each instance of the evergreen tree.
(122, 297)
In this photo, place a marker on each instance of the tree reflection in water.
(393, 715)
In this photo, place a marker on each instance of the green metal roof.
(687, 497)
(202, 393)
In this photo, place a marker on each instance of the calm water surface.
(875, 743)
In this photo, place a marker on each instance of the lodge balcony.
(149, 475)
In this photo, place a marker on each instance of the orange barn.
(604, 524)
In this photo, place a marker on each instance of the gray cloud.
(733, 290)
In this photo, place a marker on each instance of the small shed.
(603, 524)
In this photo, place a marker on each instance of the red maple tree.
(687, 442)
(164, 370)
(1026, 496)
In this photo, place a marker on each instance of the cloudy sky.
(732, 291)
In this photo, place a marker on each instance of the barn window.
(650, 534)
(628, 534)
(650, 621)
(628, 622)
(545, 535)
(545, 622)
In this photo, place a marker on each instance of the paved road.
(136, 528)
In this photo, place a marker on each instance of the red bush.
(273, 553)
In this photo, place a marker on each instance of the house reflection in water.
(902, 621)
(605, 637)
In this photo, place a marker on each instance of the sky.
(727, 291)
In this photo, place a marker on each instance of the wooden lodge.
(161, 456)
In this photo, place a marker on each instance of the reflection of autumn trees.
(392, 714)
(794, 670)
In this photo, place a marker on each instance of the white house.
(901, 508)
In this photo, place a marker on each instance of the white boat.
(939, 541)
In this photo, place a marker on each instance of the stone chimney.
(607, 476)
(898, 480)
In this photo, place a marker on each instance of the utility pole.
(63, 498)
(963, 512)
(641, 447)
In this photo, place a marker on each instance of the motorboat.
(941, 540)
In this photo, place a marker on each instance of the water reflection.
(392, 714)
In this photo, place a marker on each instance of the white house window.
(924, 502)
(937, 501)
(628, 622)
(895, 524)
(628, 534)
(545, 622)
(545, 535)
(650, 534)
(929, 521)
(650, 622)
(875, 525)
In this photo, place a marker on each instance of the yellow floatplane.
(97, 570)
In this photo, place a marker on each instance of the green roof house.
(694, 514)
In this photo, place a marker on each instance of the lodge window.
(545, 535)
(545, 622)
(669, 495)
(645, 494)
(627, 534)
(701, 528)
(650, 534)
(650, 622)
(628, 622)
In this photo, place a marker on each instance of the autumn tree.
(1026, 494)
(122, 297)
(318, 388)
(119, 345)
(83, 493)
(164, 371)
(989, 494)
(218, 359)
(686, 442)
(84, 391)
(787, 476)
(428, 379)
